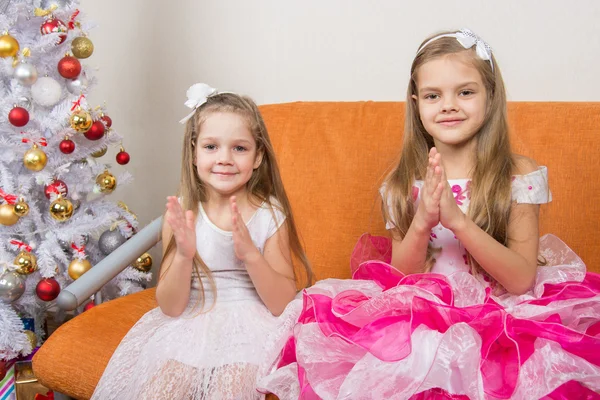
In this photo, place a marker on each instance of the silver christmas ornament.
(12, 286)
(64, 245)
(110, 240)
(77, 86)
(26, 73)
(46, 91)
(25, 102)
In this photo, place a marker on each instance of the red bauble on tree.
(89, 305)
(123, 157)
(67, 146)
(55, 25)
(106, 119)
(47, 289)
(57, 187)
(69, 67)
(18, 116)
(96, 131)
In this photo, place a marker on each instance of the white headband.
(197, 95)
(467, 39)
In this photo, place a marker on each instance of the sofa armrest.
(91, 282)
(73, 358)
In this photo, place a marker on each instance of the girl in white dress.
(227, 268)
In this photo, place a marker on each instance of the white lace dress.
(212, 353)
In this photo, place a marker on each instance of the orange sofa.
(333, 157)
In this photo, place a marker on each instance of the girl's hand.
(183, 226)
(428, 212)
(242, 242)
(451, 215)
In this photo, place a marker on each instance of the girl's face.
(451, 98)
(226, 154)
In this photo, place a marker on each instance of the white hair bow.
(467, 39)
(197, 95)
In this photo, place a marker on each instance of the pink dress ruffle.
(384, 335)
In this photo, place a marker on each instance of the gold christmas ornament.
(21, 208)
(7, 215)
(107, 182)
(26, 263)
(78, 267)
(143, 263)
(61, 209)
(32, 338)
(35, 159)
(82, 47)
(100, 153)
(81, 120)
(9, 47)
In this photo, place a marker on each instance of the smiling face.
(451, 99)
(226, 154)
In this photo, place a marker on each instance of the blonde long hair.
(264, 185)
(490, 188)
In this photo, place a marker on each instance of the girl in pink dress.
(465, 301)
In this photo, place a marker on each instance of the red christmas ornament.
(69, 67)
(67, 146)
(96, 131)
(89, 305)
(107, 121)
(123, 157)
(55, 25)
(57, 187)
(18, 116)
(47, 289)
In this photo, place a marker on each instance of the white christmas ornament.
(46, 91)
(26, 74)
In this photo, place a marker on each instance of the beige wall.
(149, 52)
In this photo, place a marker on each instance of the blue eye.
(431, 96)
(466, 92)
(240, 148)
(210, 147)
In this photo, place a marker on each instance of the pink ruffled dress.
(446, 334)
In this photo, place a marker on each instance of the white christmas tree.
(56, 221)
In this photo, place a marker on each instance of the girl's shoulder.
(530, 182)
(524, 165)
(271, 215)
(272, 205)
